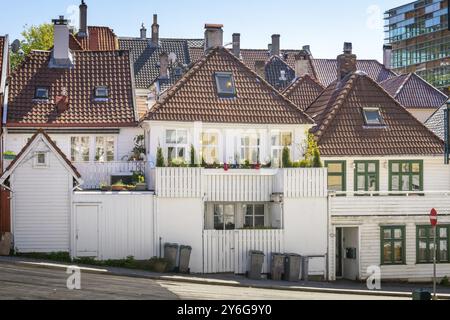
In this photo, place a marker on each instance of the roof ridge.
(429, 84)
(297, 81)
(402, 85)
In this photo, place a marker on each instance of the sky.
(323, 24)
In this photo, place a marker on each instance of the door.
(339, 255)
(86, 233)
(350, 253)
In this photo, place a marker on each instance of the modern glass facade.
(420, 38)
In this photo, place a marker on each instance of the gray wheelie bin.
(170, 254)
(256, 264)
(293, 267)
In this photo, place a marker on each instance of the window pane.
(405, 167)
(286, 139)
(335, 168)
(422, 232)
(443, 232)
(182, 136)
(335, 183)
(372, 183)
(361, 167)
(171, 153)
(259, 210)
(248, 223)
(259, 222)
(395, 183)
(443, 252)
(396, 167)
(387, 233)
(79, 149)
(171, 136)
(387, 252)
(398, 251)
(405, 183)
(398, 234)
(416, 168)
(218, 217)
(110, 149)
(181, 153)
(372, 116)
(41, 158)
(372, 168)
(225, 84)
(361, 181)
(416, 183)
(422, 252)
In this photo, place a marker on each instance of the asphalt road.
(22, 282)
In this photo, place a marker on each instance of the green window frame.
(391, 237)
(405, 173)
(369, 170)
(342, 174)
(425, 241)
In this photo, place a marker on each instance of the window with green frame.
(406, 175)
(336, 175)
(425, 244)
(393, 245)
(367, 175)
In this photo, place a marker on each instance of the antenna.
(15, 46)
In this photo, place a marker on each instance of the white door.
(86, 233)
(351, 253)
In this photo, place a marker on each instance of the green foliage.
(138, 177)
(445, 281)
(286, 158)
(34, 38)
(178, 163)
(9, 153)
(193, 157)
(317, 162)
(312, 155)
(160, 162)
(139, 148)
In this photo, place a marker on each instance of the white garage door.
(87, 230)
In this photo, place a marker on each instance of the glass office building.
(420, 38)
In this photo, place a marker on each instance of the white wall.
(181, 221)
(435, 176)
(125, 221)
(41, 205)
(229, 138)
(305, 224)
(124, 142)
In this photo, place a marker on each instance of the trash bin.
(305, 268)
(421, 294)
(170, 254)
(277, 266)
(256, 264)
(5, 244)
(185, 257)
(293, 266)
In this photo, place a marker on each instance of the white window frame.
(210, 146)
(280, 147)
(244, 214)
(176, 145)
(105, 137)
(243, 149)
(235, 218)
(230, 93)
(369, 123)
(89, 147)
(36, 163)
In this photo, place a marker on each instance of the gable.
(275, 70)
(303, 91)
(194, 97)
(342, 130)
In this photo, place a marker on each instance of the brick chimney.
(346, 62)
(61, 57)
(82, 32)
(237, 45)
(164, 66)
(155, 31)
(213, 36)
(302, 63)
(275, 49)
(387, 56)
(143, 32)
(260, 68)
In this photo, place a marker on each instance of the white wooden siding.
(41, 205)
(305, 183)
(435, 175)
(228, 251)
(125, 223)
(178, 182)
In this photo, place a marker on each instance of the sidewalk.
(338, 287)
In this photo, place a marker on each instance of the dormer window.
(41, 93)
(101, 93)
(372, 117)
(225, 84)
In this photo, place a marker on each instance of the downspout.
(447, 133)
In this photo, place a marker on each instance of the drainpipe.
(447, 132)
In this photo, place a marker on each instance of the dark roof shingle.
(303, 91)
(341, 130)
(91, 68)
(194, 97)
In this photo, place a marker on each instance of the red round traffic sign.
(434, 217)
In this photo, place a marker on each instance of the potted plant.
(141, 185)
(130, 187)
(9, 155)
(119, 186)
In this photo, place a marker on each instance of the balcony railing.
(96, 173)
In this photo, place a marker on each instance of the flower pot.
(141, 187)
(225, 167)
(118, 188)
(130, 188)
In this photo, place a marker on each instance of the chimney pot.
(346, 62)
(143, 32)
(83, 20)
(155, 31)
(387, 56)
(302, 63)
(275, 45)
(213, 36)
(237, 45)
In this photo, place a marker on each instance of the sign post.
(434, 222)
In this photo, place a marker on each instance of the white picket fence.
(228, 251)
(96, 173)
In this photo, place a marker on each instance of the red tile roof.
(303, 91)
(91, 68)
(414, 92)
(98, 39)
(341, 130)
(52, 143)
(194, 97)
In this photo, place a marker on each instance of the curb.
(225, 283)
